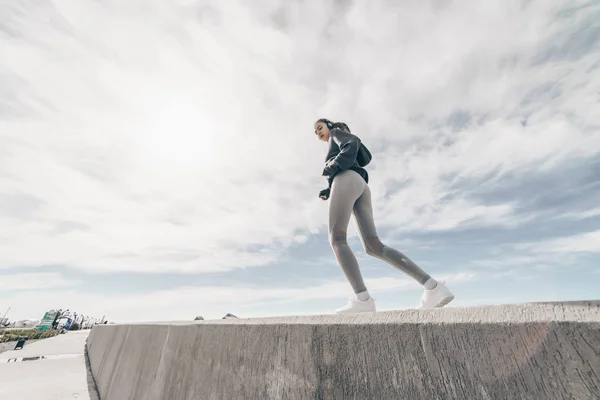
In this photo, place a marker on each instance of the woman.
(349, 193)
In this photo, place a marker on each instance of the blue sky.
(158, 161)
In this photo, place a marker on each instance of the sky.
(158, 159)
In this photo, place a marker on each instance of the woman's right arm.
(349, 145)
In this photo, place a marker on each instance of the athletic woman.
(348, 194)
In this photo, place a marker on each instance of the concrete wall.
(532, 351)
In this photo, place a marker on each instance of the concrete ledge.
(528, 351)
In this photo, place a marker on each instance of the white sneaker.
(355, 306)
(439, 296)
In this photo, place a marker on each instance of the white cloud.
(523, 260)
(588, 242)
(34, 281)
(579, 215)
(173, 136)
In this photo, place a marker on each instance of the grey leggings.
(351, 194)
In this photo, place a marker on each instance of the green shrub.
(8, 338)
(31, 334)
(75, 326)
(47, 334)
(44, 334)
(22, 332)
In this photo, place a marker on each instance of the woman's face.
(322, 131)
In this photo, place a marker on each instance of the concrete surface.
(530, 351)
(62, 374)
(8, 346)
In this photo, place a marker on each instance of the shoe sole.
(444, 301)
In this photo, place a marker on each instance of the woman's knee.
(337, 239)
(374, 247)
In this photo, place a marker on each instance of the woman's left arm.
(349, 145)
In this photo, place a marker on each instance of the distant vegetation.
(14, 335)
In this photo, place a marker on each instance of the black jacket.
(342, 152)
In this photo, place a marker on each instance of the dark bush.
(75, 326)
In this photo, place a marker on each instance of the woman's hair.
(332, 125)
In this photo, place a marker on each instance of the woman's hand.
(324, 194)
(331, 167)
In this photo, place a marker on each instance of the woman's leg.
(345, 190)
(363, 211)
